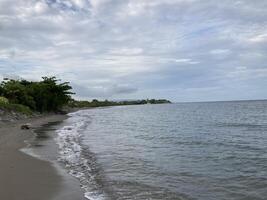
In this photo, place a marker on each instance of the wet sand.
(23, 177)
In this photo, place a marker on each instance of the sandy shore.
(23, 177)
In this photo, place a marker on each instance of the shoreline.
(25, 177)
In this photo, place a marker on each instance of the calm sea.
(202, 151)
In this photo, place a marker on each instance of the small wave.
(242, 125)
(27, 150)
(71, 154)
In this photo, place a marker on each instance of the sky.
(182, 50)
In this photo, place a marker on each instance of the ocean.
(183, 151)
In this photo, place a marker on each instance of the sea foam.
(71, 154)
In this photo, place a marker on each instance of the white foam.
(30, 152)
(70, 153)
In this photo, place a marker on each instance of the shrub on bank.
(3, 100)
(16, 108)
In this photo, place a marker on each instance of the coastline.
(25, 177)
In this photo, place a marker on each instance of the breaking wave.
(72, 156)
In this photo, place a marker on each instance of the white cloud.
(148, 44)
(242, 73)
(127, 51)
(259, 38)
(220, 51)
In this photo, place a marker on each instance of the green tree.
(46, 95)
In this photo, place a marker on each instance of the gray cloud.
(178, 49)
(103, 92)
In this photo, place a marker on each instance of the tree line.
(97, 103)
(50, 94)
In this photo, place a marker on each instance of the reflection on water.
(43, 145)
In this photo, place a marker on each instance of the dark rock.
(25, 126)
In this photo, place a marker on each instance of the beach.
(24, 177)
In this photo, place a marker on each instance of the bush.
(15, 107)
(21, 108)
(3, 100)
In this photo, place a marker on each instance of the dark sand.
(23, 177)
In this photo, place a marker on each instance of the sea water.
(198, 151)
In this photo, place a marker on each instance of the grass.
(14, 107)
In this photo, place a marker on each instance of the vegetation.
(96, 103)
(43, 96)
(50, 95)
(16, 107)
(3, 100)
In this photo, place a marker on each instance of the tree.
(49, 95)
(17, 93)
(46, 95)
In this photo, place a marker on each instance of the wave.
(71, 154)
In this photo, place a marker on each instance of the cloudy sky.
(183, 50)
